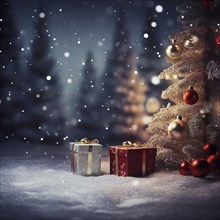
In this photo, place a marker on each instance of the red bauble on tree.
(199, 167)
(214, 162)
(184, 168)
(207, 3)
(190, 96)
(210, 149)
(217, 41)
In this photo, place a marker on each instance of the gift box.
(86, 158)
(132, 161)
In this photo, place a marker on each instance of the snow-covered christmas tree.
(195, 58)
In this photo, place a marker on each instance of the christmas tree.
(122, 90)
(86, 113)
(45, 115)
(130, 104)
(195, 58)
(11, 83)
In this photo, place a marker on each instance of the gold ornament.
(173, 51)
(178, 129)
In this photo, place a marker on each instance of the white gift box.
(85, 158)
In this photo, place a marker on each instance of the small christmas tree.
(86, 113)
(195, 58)
(129, 103)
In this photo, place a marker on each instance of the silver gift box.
(85, 158)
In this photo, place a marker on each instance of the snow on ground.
(36, 183)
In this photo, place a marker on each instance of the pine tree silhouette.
(46, 115)
(86, 113)
(11, 97)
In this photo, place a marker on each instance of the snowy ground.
(37, 184)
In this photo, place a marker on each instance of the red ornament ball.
(210, 149)
(207, 3)
(217, 41)
(184, 168)
(199, 167)
(214, 162)
(190, 96)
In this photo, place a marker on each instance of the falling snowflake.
(153, 24)
(48, 78)
(66, 54)
(155, 80)
(146, 35)
(69, 81)
(159, 8)
(44, 108)
(42, 15)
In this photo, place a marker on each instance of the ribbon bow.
(130, 144)
(87, 141)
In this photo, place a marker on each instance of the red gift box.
(132, 161)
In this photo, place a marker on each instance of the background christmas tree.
(122, 91)
(86, 113)
(45, 116)
(195, 59)
(12, 99)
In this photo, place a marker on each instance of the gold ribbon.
(87, 141)
(116, 161)
(89, 167)
(134, 144)
(144, 155)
